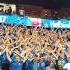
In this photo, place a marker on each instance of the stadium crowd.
(29, 48)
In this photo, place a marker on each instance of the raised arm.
(8, 55)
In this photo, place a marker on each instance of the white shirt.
(67, 66)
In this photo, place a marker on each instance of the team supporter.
(34, 48)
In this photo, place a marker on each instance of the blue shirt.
(4, 58)
(35, 66)
(30, 65)
(14, 65)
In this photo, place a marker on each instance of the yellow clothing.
(6, 42)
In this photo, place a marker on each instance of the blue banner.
(65, 23)
(46, 23)
(38, 22)
(15, 20)
(62, 23)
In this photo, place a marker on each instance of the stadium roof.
(44, 3)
